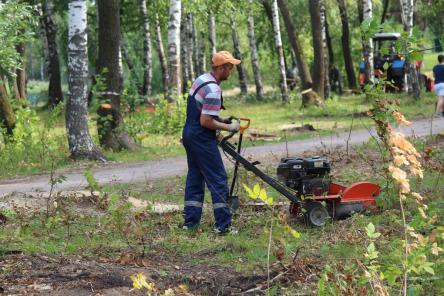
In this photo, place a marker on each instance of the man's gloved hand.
(227, 120)
(234, 126)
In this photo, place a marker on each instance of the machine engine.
(308, 176)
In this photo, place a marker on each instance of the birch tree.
(280, 53)
(191, 45)
(253, 51)
(174, 87)
(147, 52)
(55, 95)
(367, 14)
(212, 32)
(162, 58)
(201, 54)
(184, 65)
(318, 48)
(79, 139)
(345, 42)
(412, 83)
(323, 17)
(238, 55)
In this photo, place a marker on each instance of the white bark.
(147, 52)
(174, 89)
(161, 53)
(367, 12)
(212, 32)
(79, 139)
(407, 15)
(324, 43)
(278, 44)
(253, 50)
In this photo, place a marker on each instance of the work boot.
(227, 230)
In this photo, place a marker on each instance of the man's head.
(223, 63)
(440, 58)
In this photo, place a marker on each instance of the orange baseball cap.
(224, 57)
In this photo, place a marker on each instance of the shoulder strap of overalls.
(206, 83)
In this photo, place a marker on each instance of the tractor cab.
(387, 62)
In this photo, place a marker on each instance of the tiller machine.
(306, 183)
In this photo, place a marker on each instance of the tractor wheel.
(316, 214)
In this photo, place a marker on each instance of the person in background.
(438, 73)
(205, 164)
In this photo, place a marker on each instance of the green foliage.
(15, 18)
(33, 146)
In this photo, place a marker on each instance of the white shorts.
(439, 89)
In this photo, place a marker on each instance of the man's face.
(226, 71)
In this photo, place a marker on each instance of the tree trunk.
(7, 116)
(190, 45)
(125, 54)
(55, 94)
(318, 47)
(201, 57)
(147, 55)
(195, 47)
(21, 71)
(162, 59)
(185, 67)
(174, 87)
(384, 10)
(254, 56)
(79, 139)
(345, 40)
(308, 97)
(361, 10)
(368, 44)
(110, 121)
(324, 27)
(238, 55)
(412, 82)
(280, 52)
(212, 32)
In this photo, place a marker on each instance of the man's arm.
(209, 122)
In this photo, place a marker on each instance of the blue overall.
(205, 166)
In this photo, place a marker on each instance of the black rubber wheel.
(316, 214)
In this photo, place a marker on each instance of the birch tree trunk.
(323, 17)
(238, 55)
(162, 58)
(7, 116)
(174, 87)
(278, 44)
(185, 67)
(79, 139)
(412, 83)
(55, 95)
(345, 41)
(368, 44)
(110, 121)
(201, 57)
(309, 97)
(147, 52)
(212, 32)
(318, 47)
(254, 56)
(190, 46)
(195, 47)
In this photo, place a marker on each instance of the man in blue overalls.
(205, 164)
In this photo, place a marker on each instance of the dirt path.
(152, 170)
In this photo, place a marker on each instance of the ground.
(49, 261)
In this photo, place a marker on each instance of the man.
(438, 73)
(205, 164)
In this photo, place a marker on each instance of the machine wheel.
(316, 214)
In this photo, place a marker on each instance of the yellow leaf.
(436, 249)
(269, 201)
(263, 195)
(249, 192)
(256, 190)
